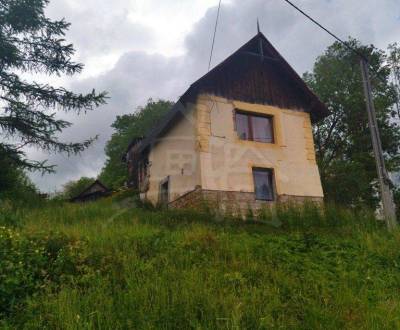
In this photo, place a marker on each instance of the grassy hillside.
(107, 265)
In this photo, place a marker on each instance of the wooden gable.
(94, 191)
(255, 73)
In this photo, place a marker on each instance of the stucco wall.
(226, 161)
(175, 155)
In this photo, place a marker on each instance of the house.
(95, 191)
(240, 136)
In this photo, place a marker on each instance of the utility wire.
(376, 74)
(371, 112)
(213, 102)
(326, 30)
(215, 32)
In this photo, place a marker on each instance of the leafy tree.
(74, 188)
(128, 127)
(32, 43)
(342, 140)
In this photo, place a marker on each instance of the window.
(263, 184)
(254, 127)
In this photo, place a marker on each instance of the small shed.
(95, 191)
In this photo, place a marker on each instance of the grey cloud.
(296, 38)
(138, 76)
(101, 27)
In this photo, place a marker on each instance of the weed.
(108, 265)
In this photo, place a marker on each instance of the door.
(164, 192)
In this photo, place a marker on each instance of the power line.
(376, 74)
(326, 30)
(389, 208)
(215, 32)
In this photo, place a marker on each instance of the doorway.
(164, 192)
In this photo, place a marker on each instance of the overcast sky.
(141, 49)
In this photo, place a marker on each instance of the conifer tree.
(32, 43)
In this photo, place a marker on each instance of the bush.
(9, 215)
(107, 265)
(30, 264)
(313, 215)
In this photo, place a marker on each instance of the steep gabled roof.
(255, 73)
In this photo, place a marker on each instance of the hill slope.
(105, 266)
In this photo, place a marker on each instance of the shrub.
(29, 264)
(9, 216)
(313, 215)
(324, 267)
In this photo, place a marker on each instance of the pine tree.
(32, 43)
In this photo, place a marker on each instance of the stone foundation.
(233, 202)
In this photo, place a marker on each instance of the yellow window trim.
(273, 112)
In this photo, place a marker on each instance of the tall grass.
(114, 266)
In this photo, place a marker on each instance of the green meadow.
(112, 265)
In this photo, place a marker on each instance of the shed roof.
(86, 191)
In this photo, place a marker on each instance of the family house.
(240, 136)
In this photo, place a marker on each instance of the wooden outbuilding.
(95, 191)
